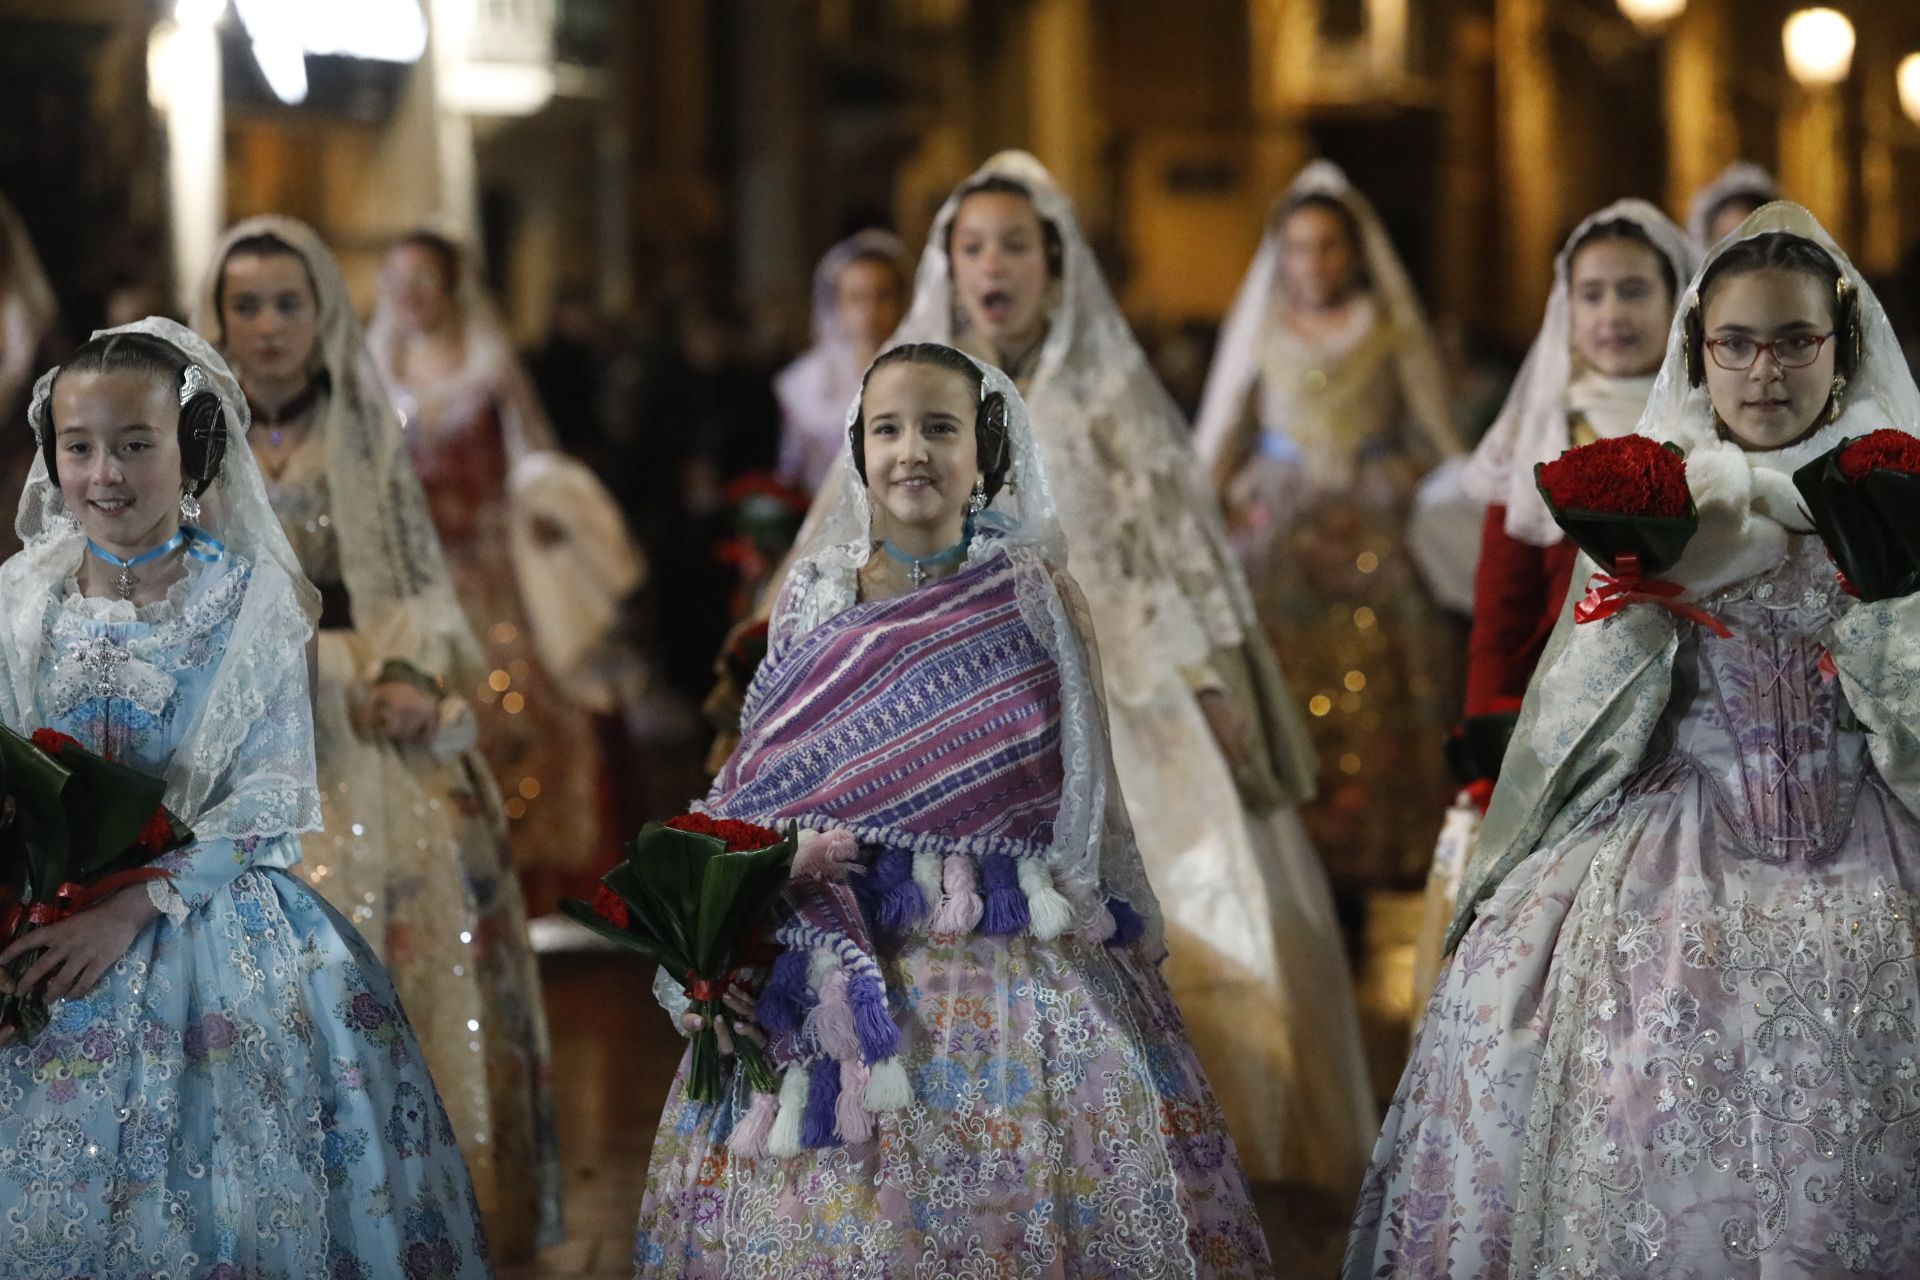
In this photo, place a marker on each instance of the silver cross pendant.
(103, 658)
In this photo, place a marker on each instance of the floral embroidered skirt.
(1060, 1127)
(1656, 1055)
(240, 1097)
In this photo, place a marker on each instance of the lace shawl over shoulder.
(244, 766)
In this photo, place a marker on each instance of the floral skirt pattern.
(240, 1098)
(1654, 1055)
(1060, 1127)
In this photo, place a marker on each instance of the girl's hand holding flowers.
(78, 951)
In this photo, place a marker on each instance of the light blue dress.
(240, 1098)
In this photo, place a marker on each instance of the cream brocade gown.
(1254, 957)
(414, 853)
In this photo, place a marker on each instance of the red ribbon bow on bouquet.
(68, 900)
(1608, 594)
(701, 989)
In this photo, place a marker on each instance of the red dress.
(1518, 593)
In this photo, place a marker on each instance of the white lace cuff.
(673, 998)
(167, 900)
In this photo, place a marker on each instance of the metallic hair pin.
(193, 382)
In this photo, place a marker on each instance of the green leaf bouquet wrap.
(77, 828)
(1864, 498)
(691, 895)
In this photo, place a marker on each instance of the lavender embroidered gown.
(1681, 1042)
(1059, 1124)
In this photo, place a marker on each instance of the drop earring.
(1833, 397)
(189, 505)
(977, 502)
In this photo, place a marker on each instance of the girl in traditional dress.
(1016, 1093)
(1676, 1038)
(859, 294)
(1324, 408)
(414, 850)
(1723, 204)
(227, 1086)
(1587, 378)
(1211, 752)
(539, 554)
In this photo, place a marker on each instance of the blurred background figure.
(413, 850)
(707, 417)
(1326, 405)
(537, 549)
(28, 333)
(860, 294)
(1723, 204)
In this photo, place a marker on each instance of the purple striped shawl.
(927, 723)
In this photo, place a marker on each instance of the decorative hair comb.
(193, 382)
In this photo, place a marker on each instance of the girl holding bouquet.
(414, 850)
(1210, 747)
(227, 1085)
(1676, 1034)
(982, 1068)
(1587, 378)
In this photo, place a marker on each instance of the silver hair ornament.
(193, 382)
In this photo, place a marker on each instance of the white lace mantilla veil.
(1532, 425)
(1578, 701)
(1236, 359)
(27, 305)
(1093, 841)
(1148, 548)
(1742, 177)
(258, 697)
(830, 342)
(390, 556)
(572, 590)
(492, 369)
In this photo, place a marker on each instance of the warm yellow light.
(1819, 46)
(199, 13)
(1908, 79)
(1651, 15)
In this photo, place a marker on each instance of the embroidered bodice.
(1333, 401)
(1756, 717)
(131, 681)
(302, 499)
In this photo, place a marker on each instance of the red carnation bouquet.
(1864, 498)
(1625, 502)
(77, 828)
(692, 895)
(1626, 496)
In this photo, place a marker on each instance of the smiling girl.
(227, 1085)
(413, 851)
(931, 697)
